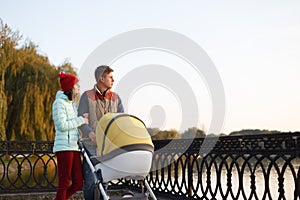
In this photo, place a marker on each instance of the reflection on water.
(28, 172)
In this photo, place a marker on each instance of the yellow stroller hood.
(118, 133)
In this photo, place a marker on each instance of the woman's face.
(76, 89)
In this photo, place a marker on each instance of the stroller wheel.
(96, 193)
(127, 194)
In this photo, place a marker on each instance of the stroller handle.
(85, 139)
(95, 173)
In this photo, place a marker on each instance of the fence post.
(297, 181)
(297, 186)
(190, 175)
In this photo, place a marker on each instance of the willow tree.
(8, 43)
(27, 88)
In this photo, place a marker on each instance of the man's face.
(107, 80)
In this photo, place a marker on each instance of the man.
(97, 102)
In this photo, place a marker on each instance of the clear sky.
(254, 45)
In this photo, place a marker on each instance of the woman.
(66, 121)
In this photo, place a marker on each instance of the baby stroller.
(124, 150)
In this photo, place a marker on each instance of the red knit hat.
(67, 81)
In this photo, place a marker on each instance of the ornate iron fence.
(240, 167)
(247, 167)
(29, 166)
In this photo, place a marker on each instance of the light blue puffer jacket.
(66, 121)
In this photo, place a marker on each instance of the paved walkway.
(36, 196)
(51, 196)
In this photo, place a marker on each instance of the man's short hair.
(102, 70)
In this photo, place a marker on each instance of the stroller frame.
(97, 174)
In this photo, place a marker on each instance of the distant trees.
(28, 84)
(157, 134)
(193, 132)
(252, 132)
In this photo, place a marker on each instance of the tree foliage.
(27, 89)
(193, 132)
(157, 134)
(252, 132)
(8, 43)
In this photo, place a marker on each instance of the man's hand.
(92, 136)
(86, 118)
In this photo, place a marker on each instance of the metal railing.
(29, 166)
(237, 167)
(240, 167)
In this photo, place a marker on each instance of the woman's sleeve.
(60, 117)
